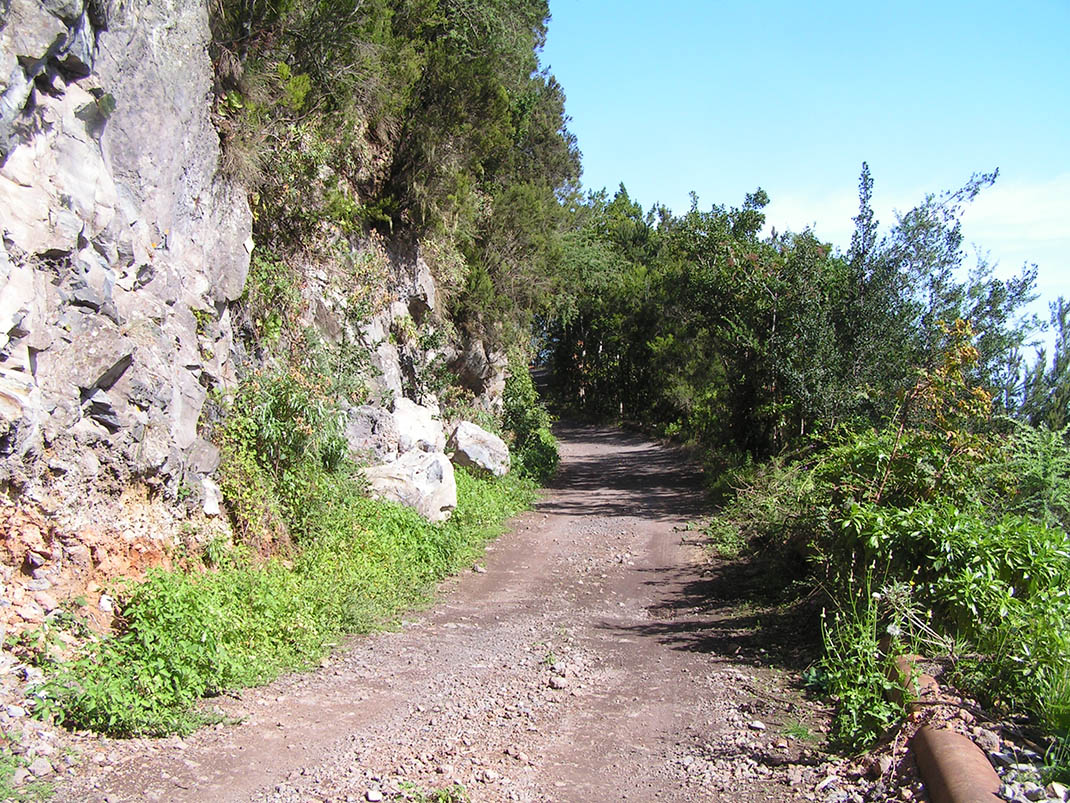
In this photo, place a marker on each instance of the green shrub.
(771, 505)
(538, 458)
(1035, 472)
(534, 448)
(931, 531)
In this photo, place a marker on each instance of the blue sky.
(721, 98)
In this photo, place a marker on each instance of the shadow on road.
(631, 476)
(730, 611)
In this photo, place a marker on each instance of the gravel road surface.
(596, 653)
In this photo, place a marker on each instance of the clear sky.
(721, 98)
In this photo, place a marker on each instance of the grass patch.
(799, 731)
(9, 764)
(189, 635)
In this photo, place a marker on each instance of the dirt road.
(594, 655)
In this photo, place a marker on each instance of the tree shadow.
(626, 475)
(736, 610)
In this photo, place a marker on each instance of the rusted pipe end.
(954, 769)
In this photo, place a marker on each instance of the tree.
(1046, 386)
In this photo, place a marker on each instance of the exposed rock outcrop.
(123, 245)
(123, 251)
(483, 371)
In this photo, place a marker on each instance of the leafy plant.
(856, 671)
(534, 448)
(188, 635)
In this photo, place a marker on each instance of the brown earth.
(598, 653)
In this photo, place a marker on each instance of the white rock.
(16, 295)
(423, 481)
(212, 497)
(825, 784)
(418, 427)
(473, 447)
(1057, 791)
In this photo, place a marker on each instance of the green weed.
(800, 731)
(9, 764)
(448, 794)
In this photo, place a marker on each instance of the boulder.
(372, 431)
(423, 481)
(418, 427)
(475, 448)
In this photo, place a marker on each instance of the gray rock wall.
(122, 245)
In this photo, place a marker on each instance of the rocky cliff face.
(125, 302)
(123, 245)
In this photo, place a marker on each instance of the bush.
(538, 458)
(937, 535)
(279, 435)
(534, 448)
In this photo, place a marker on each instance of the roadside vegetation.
(316, 560)
(871, 423)
(233, 622)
